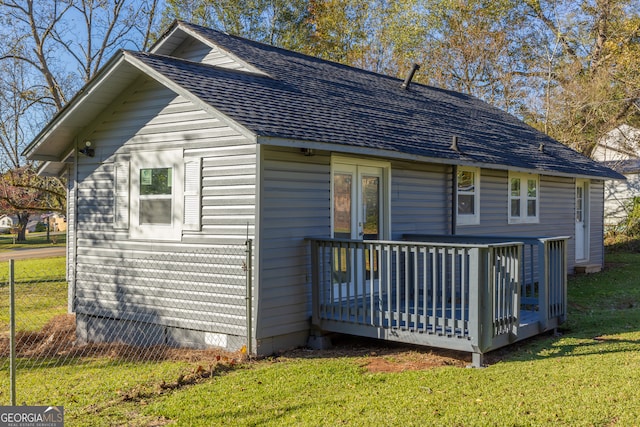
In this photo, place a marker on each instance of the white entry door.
(582, 220)
(357, 202)
(358, 209)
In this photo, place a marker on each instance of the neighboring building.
(209, 139)
(620, 150)
(6, 223)
(58, 223)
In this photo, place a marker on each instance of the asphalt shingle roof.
(309, 99)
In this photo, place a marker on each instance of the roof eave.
(397, 155)
(55, 138)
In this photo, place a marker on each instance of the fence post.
(12, 333)
(248, 260)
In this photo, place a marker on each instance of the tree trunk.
(23, 220)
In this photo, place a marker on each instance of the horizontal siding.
(196, 51)
(420, 197)
(172, 283)
(295, 204)
(596, 219)
(619, 196)
(557, 212)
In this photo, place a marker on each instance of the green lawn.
(588, 376)
(41, 292)
(34, 240)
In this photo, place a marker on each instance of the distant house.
(620, 150)
(357, 188)
(58, 222)
(6, 223)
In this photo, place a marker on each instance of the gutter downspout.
(454, 193)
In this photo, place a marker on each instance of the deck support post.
(318, 340)
(477, 360)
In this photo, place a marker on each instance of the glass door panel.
(342, 197)
(370, 204)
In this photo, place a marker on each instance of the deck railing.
(543, 270)
(448, 294)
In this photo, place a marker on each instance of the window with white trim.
(524, 198)
(157, 194)
(468, 196)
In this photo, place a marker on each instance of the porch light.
(307, 151)
(87, 150)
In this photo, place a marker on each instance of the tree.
(594, 74)
(50, 49)
(280, 23)
(23, 192)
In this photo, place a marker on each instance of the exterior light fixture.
(87, 150)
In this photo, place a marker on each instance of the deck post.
(543, 284)
(477, 360)
(480, 317)
(486, 272)
(474, 299)
(315, 283)
(565, 285)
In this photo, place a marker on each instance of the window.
(523, 198)
(157, 194)
(468, 195)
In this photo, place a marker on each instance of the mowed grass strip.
(588, 375)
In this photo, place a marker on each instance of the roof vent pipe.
(454, 143)
(407, 81)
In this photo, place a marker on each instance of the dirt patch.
(382, 356)
(57, 339)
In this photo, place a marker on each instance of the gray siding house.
(310, 159)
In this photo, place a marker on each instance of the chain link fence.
(136, 307)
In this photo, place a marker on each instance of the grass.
(41, 292)
(34, 240)
(588, 376)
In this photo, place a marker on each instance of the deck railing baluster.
(425, 288)
(471, 292)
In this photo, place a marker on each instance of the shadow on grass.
(621, 243)
(589, 331)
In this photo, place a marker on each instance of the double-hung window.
(157, 194)
(524, 198)
(468, 196)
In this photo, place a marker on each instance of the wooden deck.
(472, 297)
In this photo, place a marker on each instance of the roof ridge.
(199, 64)
(202, 29)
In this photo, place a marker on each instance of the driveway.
(34, 253)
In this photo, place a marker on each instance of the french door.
(358, 214)
(357, 202)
